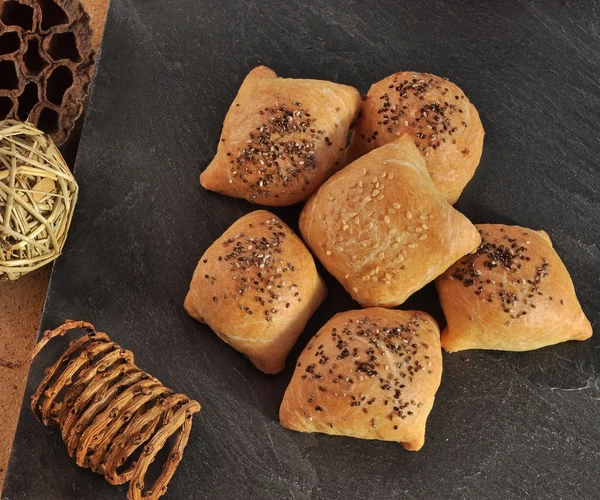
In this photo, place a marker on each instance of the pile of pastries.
(378, 215)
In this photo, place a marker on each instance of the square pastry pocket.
(382, 228)
(369, 374)
(513, 294)
(282, 137)
(256, 287)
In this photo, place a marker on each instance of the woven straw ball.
(37, 198)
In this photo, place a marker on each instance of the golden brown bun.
(382, 228)
(282, 137)
(256, 287)
(369, 374)
(513, 294)
(438, 116)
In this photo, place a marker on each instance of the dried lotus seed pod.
(46, 63)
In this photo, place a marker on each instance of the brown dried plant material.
(38, 194)
(107, 409)
(46, 63)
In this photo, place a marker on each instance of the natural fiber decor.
(46, 64)
(113, 417)
(37, 198)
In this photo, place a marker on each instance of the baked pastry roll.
(369, 374)
(256, 287)
(513, 294)
(282, 137)
(438, 116)
(382, 228)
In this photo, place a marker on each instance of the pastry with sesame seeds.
(256, 287)
(282, 137)
(368, 374)
(436, 113)
(381, 227)
(513, 294)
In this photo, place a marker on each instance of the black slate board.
(504, 425)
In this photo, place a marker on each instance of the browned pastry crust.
(513, 294)
(282, 137)
(438, 116)
(256, 287)
(382, 228)
(369, 374)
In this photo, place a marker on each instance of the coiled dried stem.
(107, 409)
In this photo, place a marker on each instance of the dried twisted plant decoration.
(107, 409)
(37, 198)
(46, 63)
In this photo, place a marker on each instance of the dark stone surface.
(505, 425)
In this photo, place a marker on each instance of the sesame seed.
(408, 215)
(328, 252)
(396, 205)
(423, 237)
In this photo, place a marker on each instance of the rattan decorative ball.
(37, 198)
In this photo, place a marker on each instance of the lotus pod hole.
(9, 42)
(58, 83)
(6, 106)
(52, 14)
(33, 62)
(63, 46)
(27, 100)
(48, 121)
(13, 13)
(8, 75)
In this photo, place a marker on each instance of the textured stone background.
(504, 425)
